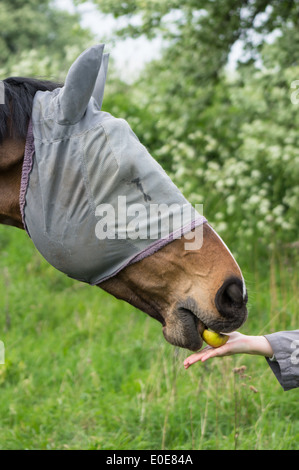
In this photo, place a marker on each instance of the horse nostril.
(229, 299)
(234, 292)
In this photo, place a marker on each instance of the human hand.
(237, 343)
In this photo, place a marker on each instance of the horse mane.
(15, 113)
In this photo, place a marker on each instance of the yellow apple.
(214, 339)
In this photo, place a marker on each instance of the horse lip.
(200, 326)
(184, 325)
(192, 339)
(191, 305)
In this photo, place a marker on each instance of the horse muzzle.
(185, 325)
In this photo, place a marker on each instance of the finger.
(195, 357)
(224, 350)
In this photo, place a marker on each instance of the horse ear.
(98, 92)
(79, 85)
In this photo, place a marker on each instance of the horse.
(186, 289)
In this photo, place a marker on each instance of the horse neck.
(11, 160)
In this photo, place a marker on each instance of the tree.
(38, 39)
(229, 142)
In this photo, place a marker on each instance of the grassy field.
(85, 371)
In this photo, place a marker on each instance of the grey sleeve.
(285, 365)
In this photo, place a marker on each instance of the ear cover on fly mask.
(80, 84)
(98, 92)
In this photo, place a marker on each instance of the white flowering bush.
(37, 63)
(239, 157)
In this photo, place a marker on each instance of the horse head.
(186, 290)
(62, 160)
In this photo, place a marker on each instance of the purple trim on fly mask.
(158, 244)
(26, 169)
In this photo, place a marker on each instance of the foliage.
(242, 161)
(228, 139)
(199, 34)
(38, 39)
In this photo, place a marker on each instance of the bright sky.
(129, 55)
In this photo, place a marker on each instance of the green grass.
(85, 371)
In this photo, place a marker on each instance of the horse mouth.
(186, 323)
(185, 329)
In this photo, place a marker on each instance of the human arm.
(285, 345)
(281, 350)
(237, 343)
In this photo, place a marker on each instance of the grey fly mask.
(86, 176)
